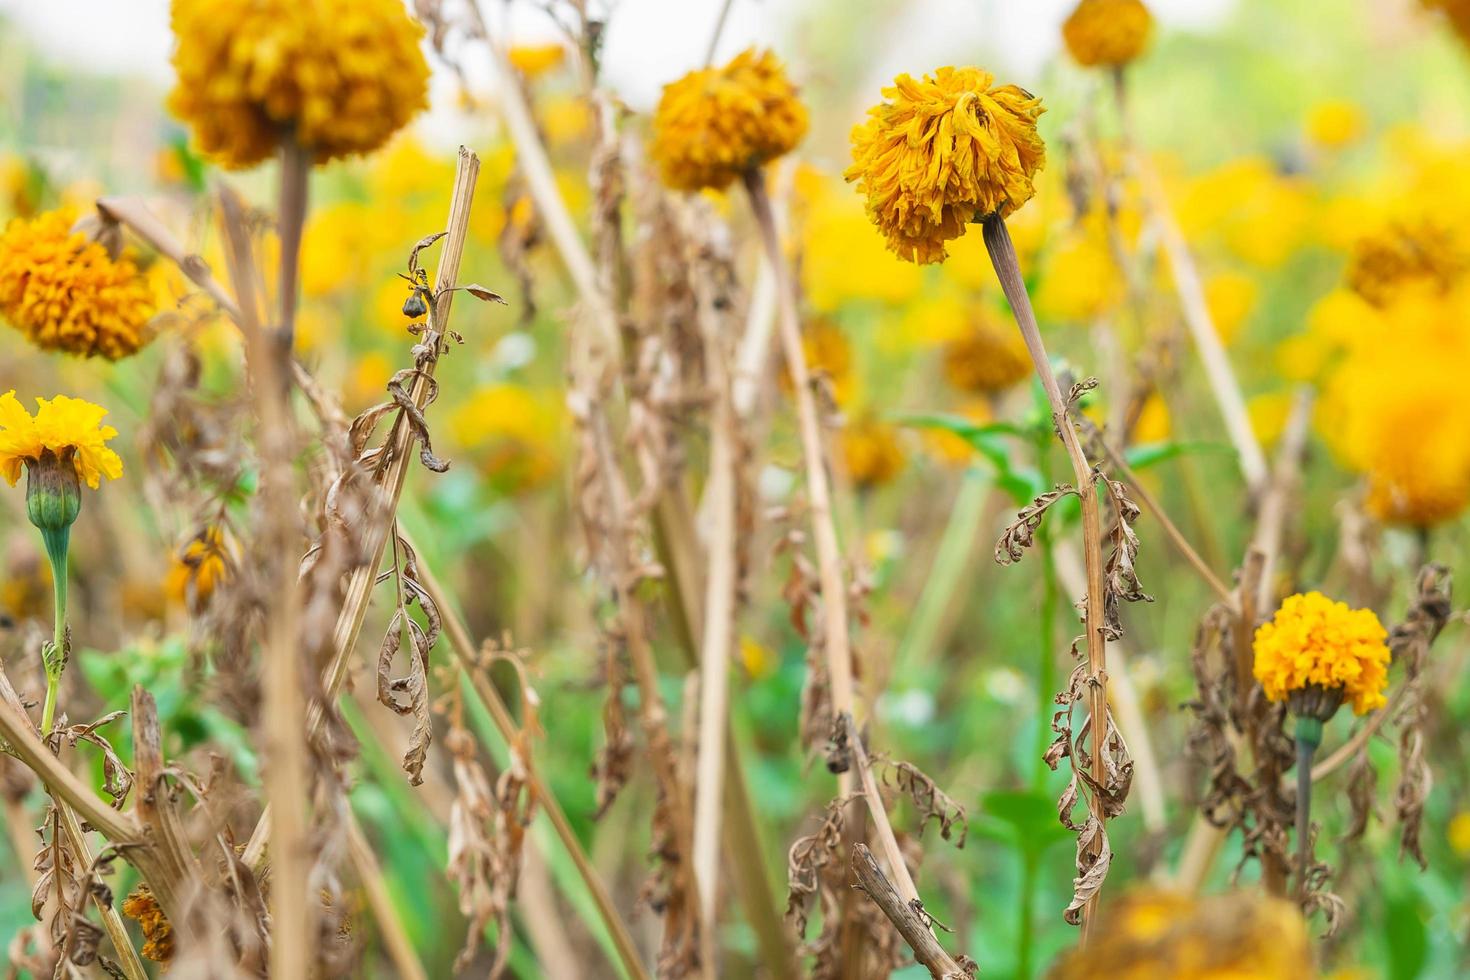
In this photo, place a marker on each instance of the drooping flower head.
(986, 358)
(1313, 640)
(943, 152)
(68, 293)
(1107, 32)
(715, 124)
(340, 76)
(203, 563)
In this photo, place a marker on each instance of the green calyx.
(1309, 730)
(53, 496)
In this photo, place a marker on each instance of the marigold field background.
(1283, 134)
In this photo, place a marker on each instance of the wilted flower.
(1415, 251)
(1107, 32)
(1314, 641)
(203, 563)
(987, 358)
(338, 76)
(870, 453)
(943, 152)
(158, 933)
(716, 124)
(66, 292)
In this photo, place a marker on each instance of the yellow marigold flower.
(871, 453)
(714, 124)
(516, 430)
(340, 76)
(1107, 32)
(1079, 281)
(1268, 414)
(942, 153)
(1159, 935)
(534, 60)
(829, 354)
(1415, 251)
(1230, 297)
(67, 427)
(1314, 640)
(67, 293)
(1459, 833)
(202, 564)
(1154, 424)
(987, 358)
(1418, 464)
(1335, 123)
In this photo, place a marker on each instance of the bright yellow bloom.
(943, 152)
(340, 76)
(1416, 251)
(841, 260)
(871, 453)
(68, 427)
(535, 60)
(1159, 935)
(1314, 640)
(988, 357)
(715, 124)
(1268, 414)
(1154, 424)
(1107, 32)
(1459, 833)
(67, 293)
(1079, 281)
(203, 563)
(1335, 123)
(1230, 297)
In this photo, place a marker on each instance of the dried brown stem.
(911, 924)
(465, 651)
(1008, 269)
(884, 830)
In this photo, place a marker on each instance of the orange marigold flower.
(202, 564)
(68, 293)
(715, 124)
(340, 76)
(1107, 32)
(943, 152)
(158, 932)
(1313, 640)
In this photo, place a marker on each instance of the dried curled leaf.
(1120, 574)
(931, 802)
(807, 861)
(117, 779)
(1021, 533)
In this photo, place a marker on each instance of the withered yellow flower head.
(942, 153)
(871, 453)
(202, 563)
(67, 293)
(1107, 32)
(715, 124)
(1420, 250)
(66, 427)
(1313, 640)
(340, 76)
(987, 358)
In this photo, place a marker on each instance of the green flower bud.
(53, 500)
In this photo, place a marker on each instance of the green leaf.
(1022, 483)
(1029, 820)
(1149, 453)
(1408, 942)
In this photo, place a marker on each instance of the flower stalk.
(53, 500)
(1007, 268)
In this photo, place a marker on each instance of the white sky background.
(649, 42)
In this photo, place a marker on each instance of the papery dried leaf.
(1120, 574)
(117, 779)
(413, 256)
(806, 861)
(1362, 784)
(1092, 867)
(931, 802)
(1079, 389)
(481, 293)
(1021, 533)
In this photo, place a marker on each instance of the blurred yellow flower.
(1107, 32)
(871, 454)
(68, 428)
(988, 356)
(949, 448)
(516, 432)
(758, 659)
(1079, 281)
(1459, 833)
(1268, 414)
(368, 383)
(1158, 935)
(842, 261)
(67, 293)
(1153, 423)
(338, 246)
(942, 152)
(715, 124)
(535, 60)
(1258, 214)
(1313, 640)
(1230, 296)
(565, 119)
(341, 76)
(829, 354)
(25, 585)
(1335, 123)
(1421, 251)
(198, 567)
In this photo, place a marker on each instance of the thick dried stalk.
(879, 812)
(819, 498)
(395, 937)
(719, 628)
(1003, 257)
(465, 651)
(911, 924)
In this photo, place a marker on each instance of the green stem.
(1029, 861)
(945, 575)
(55, 658)
(1308, 737)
